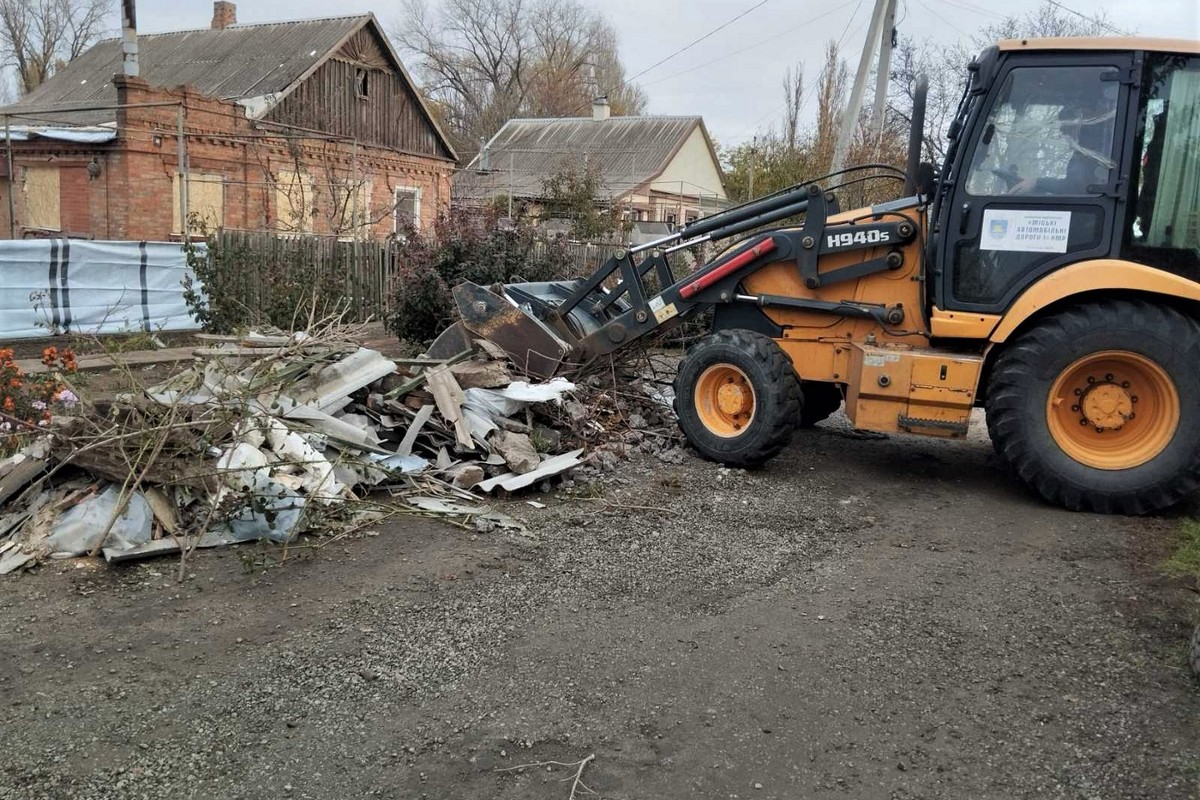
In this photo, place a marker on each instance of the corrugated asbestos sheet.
(233, 63)
(626, 151)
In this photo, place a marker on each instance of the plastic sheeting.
(80, 135)
(80, 286)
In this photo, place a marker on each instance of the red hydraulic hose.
(732, 265)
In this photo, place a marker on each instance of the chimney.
(129, 43)
(600, 109)
(224, 14)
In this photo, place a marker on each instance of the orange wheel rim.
(1113, 410)
(725, 400)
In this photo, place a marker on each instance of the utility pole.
(883, 71)
(753, 158)
(854, 108)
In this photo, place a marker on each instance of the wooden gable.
(360, 92)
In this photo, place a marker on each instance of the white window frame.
(415, 191)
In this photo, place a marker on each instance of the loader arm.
(555, 328)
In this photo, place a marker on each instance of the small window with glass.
(1050, 132)
(1165, 226)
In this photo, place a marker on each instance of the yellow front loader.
(1048, 271)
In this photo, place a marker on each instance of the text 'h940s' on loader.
(1049, 272)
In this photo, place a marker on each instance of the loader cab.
(1039, 175)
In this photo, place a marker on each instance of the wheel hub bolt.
(1108, 377)
(1075, 407)
(1124, 384)
(1133, 399)
(1083, 421)
(1091, 379)
(1078, 392)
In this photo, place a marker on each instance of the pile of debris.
(272, 436)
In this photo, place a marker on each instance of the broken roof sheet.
(627, 152)
(96, 135)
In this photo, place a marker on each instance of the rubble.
(267, 436)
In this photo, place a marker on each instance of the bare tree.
(946, 67)
(1048, 21)
(831, 89)
(485, 61)
(39, 36)
(793, 97)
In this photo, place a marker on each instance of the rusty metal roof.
(234, 63)
(626, 152)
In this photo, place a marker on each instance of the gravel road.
(864, 618)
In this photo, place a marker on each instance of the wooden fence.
(364, 269)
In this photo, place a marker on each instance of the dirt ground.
(864, 618)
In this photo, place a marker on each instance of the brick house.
(294, 127)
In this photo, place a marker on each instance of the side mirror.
(926, 179)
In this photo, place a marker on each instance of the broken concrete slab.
(481, 374)
(519, 453)
(465, 476)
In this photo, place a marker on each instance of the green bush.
(463, 246)
(248, 281)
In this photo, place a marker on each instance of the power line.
(965, 6)
(695, 42)
(1092, 20)
(945, 20)
(813, 83)
(681, 50)
(756, 46)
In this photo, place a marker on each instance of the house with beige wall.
(654, 168)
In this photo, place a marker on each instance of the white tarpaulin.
(81, 286)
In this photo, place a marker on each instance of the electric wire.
(756, 46)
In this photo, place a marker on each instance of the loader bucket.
(522, 319)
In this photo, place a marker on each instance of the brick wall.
(135, 196)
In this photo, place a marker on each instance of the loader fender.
(1090, 276)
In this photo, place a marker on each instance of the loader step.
(907, 423)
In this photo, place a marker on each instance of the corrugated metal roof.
(626, 151)
(235, 63)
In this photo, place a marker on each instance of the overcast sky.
(733, 78)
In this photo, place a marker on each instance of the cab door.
(1040, 182)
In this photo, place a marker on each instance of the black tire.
(820, 401)
(776, 395)
(1019, 391)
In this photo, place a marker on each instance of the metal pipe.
(183, 177)
(12, 214)
(687, 244)
(762, 219)
(651, 245)
(29, 112)
(738, 213)
(916, 134)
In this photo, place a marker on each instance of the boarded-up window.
(205, 201)
(407, 209)
(352, 216)
(40, 188)
(294, 202)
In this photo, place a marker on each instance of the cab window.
(1050, 132)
